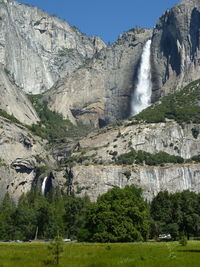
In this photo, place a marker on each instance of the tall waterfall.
(141, 98)
(44, 185)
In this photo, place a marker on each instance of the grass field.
(103, 255)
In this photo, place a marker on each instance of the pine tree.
(55, 251)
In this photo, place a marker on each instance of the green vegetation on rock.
(52, 126)
(196, 158)
(65, 51)
(182, 106)
(2, 163)
(141, 157)
(4, 114)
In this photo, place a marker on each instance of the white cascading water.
(142, 95)
(44, 185)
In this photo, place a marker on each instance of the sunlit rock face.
(95, 180)
(100, 92)
(38, 49)
(19, 155)
(14, 101)
(99, 172)
(176, 48)
(94, 83)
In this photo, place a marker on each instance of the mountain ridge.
(85, 90)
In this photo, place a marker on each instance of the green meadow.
(106, 255)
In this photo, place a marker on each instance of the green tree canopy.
(176, 213)
(120, 215)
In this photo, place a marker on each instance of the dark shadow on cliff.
(132, 90)
(194, 31)
(168, 44)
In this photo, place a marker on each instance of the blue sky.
(106, 18)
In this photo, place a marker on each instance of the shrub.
(141, 157)
(183, 240)
(127, 174)
(52, 126)
(196, 158)
(4, 114)
(195, 132)
(55, 249)
(182, 106)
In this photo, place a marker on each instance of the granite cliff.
(92, 84)
(21, 156)
(14, 101)
(100, 92)
(95, 180)
(111, 76)
(176, 48)
(98, 155)
(53, 54)
(40, 46)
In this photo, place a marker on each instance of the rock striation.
(154, 137)
(89, 82)
(99, 172)
(14, 101)
(40, 46)
(20, 154)
(176, 48)
(94, 180)
(100, 92)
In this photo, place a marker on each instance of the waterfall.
(141, 98)
(44, 185)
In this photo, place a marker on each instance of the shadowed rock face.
(175, 48)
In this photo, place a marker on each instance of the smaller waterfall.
(44, 185)
(142, 95)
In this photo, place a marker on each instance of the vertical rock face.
(41, 47)
(100, 92)
(152, 138)
(14, 101)
(176, 48)
(20, 153)
(95, 180)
